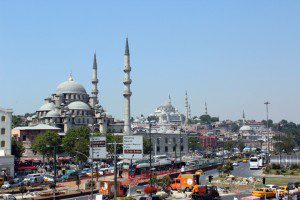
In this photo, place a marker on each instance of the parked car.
(235, 164)
(33, 178)
(7, 197)
(273, 187)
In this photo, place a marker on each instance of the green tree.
(234, 127)
(270, 122)
(229, 145)
(146, 145)
(284, 144)
(214, 119)
(240, 145)
(16, 121)
(44, 143)
(194, 144)
(205, 119)
(77, 140)
(17, 148)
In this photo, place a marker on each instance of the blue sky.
(233, 54)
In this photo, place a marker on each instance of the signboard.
(99, 147)
(133, 147)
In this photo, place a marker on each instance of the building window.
(157, 149)
(24, 137)
(157, 141)
(2, 143)
(181, 148)
(166, 149)
(2, 131)
(3, 118)
(166, 140)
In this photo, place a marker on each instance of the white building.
(167, 114)
(6, 159)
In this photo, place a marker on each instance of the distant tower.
(205, 108)
(127, 93)
(244, 119)
(190, 112)
(94, 96)
(186, 108)
(169, 99)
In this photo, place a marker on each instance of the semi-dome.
(78, 105)
(70, 86)
(246, 128)
(47, 107)
(53, 113)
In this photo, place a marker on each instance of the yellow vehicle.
(199, 172)
(1, 181)
(245, 161)
(264, 192)
(281, 190)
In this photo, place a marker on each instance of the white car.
(235, 164)
(273, 187)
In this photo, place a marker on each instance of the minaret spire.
(169, 99)
(94, 95)
(244, 119)
(127, 93)
(186, 108)
(206, 113)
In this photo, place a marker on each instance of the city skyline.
(234, 56)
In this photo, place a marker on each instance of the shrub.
(267, 170)
(292, 173)
(294, 167)
(150, 190)
(275, 166)
(277, 172)
(283, 171)
(52, 186)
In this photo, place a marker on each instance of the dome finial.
(70, 76)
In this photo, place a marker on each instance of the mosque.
(71, 106)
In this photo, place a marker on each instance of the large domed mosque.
(71, 106)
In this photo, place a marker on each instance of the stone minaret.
(244, 119)
(94, 96)
(127, 93)
(186, 108)
(206, 113)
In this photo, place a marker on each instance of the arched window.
(79, 120)
(3, 118)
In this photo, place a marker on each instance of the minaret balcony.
(127, 94)
(127, 69)
(127, 81)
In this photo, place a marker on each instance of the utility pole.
(54, 165)
(92, 158)
(150, 134)
(115, 170)
(267, 109)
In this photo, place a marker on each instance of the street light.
(92, 165)
(267, 110)
(54, 162)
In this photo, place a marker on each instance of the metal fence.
(285, 160)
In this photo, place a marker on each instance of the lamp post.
(54, 161)
(267, 110)
(150, 134)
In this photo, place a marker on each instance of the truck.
(107, 189)
(205, 193)
(185, 182)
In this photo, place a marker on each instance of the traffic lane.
(243, 170)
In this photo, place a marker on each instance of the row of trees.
(76, 140)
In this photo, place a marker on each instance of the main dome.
(70, 86)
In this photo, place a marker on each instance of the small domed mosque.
(71, 106)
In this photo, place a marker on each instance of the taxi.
(244, 160)
(199, 172)
(264, 192)
(281, 190)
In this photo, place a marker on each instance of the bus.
(142, 170)
(254, 162)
